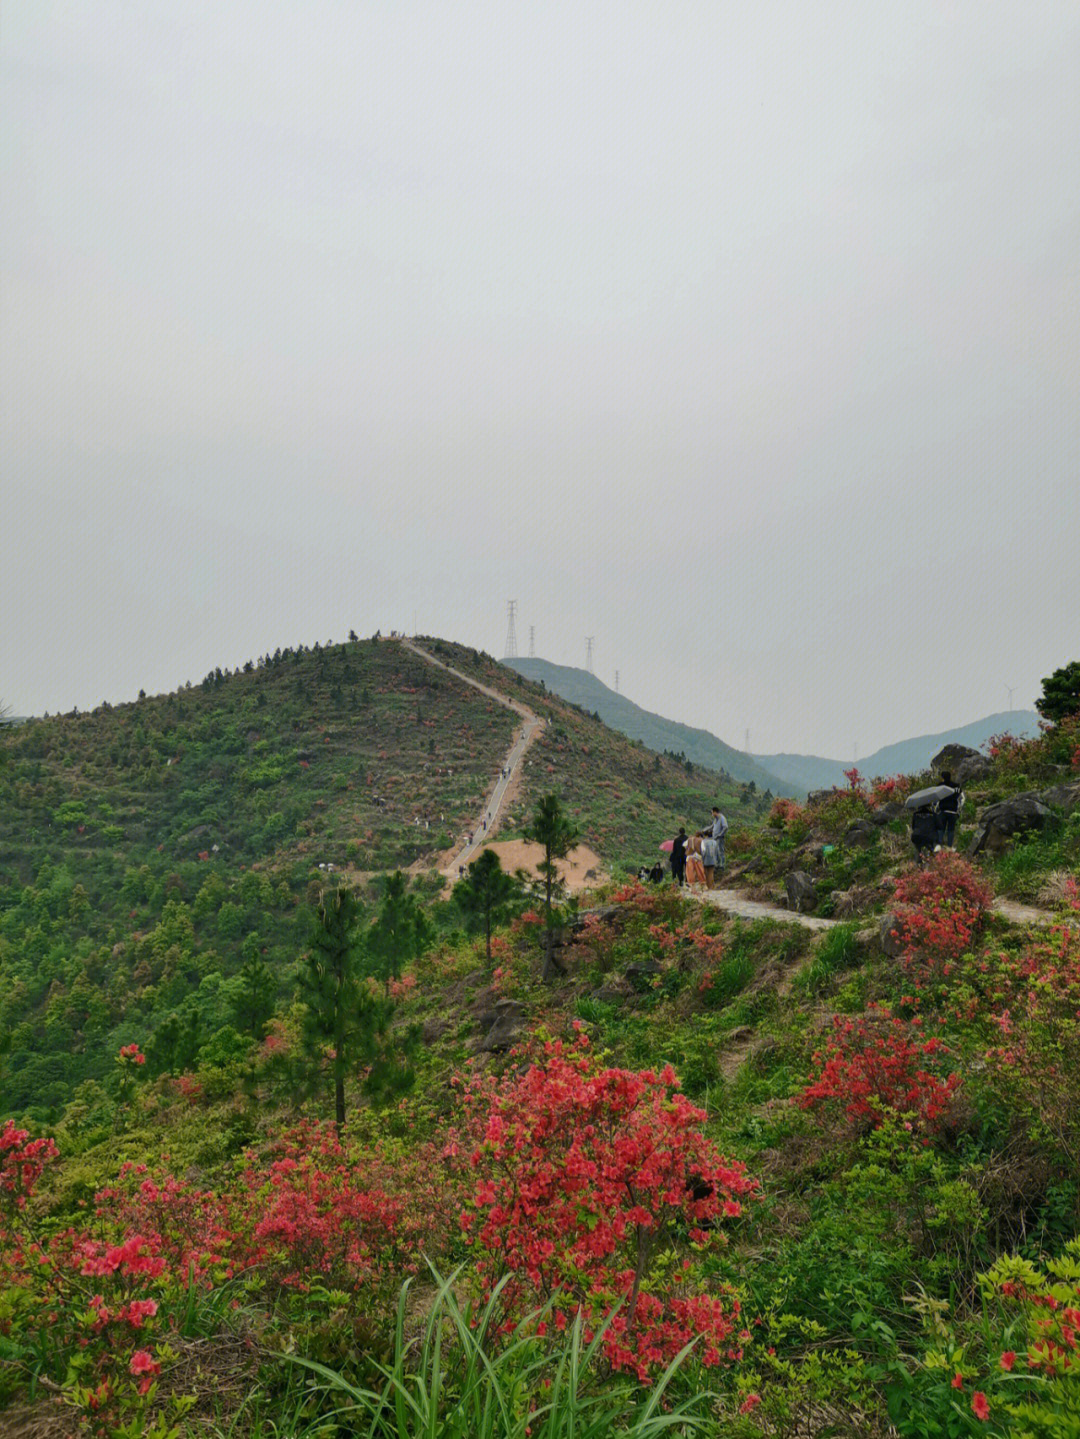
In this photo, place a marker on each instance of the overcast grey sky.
(743, 338)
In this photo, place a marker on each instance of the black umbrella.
(923, 797)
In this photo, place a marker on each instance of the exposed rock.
(890, 944)
(951, 758)
(818, 796)
(643, 973)
(886, 813)
(862, 833)
(434, 1028)
(1063, 796)
(976, 766)
(999, 822)
(799, 888)
(508, 1023)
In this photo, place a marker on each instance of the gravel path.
(732, 902)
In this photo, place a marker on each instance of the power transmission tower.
(588, 652)
(510, 652)
(532, 642)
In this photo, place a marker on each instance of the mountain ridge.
(656, 732)
(909, 756)
(784, 773)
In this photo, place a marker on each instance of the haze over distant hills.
(653, 730)
(908, 756)
(792, 774)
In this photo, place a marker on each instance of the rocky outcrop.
(886, 813)
(1063, 796)
(999, 822)
(860, 834)
(975, 767)
(951, 757)
(819, 796)
(504, 1023)
(890, 944)
(799, 888)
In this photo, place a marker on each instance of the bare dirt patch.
(582, 868)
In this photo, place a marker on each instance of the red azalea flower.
(1008, 1359)
(979, 1405)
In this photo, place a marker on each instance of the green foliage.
(1060, 693)
(486, 895)
(552, 828)
(400, 932)
(462, 1380)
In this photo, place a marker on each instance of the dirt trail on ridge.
(485, 826)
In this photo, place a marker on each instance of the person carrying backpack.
(925, 830)
(949, 810)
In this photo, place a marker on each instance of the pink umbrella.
(668, 845)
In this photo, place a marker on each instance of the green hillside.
(724, 1176)
(149, 851)
(654, 731)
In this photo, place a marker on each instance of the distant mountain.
(910, 756)
(663, 735)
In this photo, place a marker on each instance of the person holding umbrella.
(926, 825)
(949, 809)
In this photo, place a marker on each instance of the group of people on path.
(698, 858)
(934, 825)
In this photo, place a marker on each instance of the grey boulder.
(800, 891)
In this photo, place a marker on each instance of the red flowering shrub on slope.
(938, 912)
(872, 1065)
(588, 1179)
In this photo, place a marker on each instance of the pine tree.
(401, 931)
(348, 1019)
(485, 895)
(552, 828)
(338, 1007)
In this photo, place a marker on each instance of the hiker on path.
(925, 830)
(710, 853)
(678, 857)
(695, 870)
(718, 831)
(949, 810)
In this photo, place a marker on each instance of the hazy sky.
(743, 338)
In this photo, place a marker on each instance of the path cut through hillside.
(531, 725)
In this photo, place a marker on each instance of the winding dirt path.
(531, 725)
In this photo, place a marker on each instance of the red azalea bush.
(895, 787)
(1036, 1064)
(307, 1214)
(787, 814)
(878, 1063)
(938, 909)
(588, 1180)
